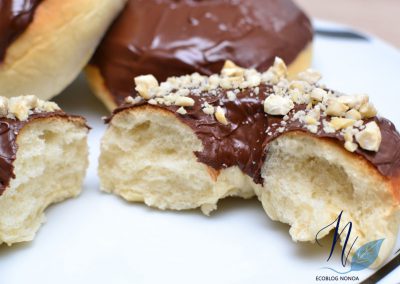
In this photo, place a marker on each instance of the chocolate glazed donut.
(170, 38)
(15, 17)
(44, 44)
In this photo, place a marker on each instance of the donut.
(43, 160)
(171, 38)
(305, 151)
(44, 44)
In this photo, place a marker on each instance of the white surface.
(99, 238)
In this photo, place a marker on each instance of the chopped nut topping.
(23, 106)
(318, 94)
(368, 110)
(370, 138)
(341, 123)
(143, 85)
(310, 120)
(304, 100)
(353, 114)
(181, 110)
(336, 108)
(277, 105)
(131, 100)
(184, 101)
(350, 146)
(220, 116)
(231, 95)
(208, 109)
(3, 106)
(230, 69)
(310, 76)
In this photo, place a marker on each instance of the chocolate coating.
(176, 37)
(244, 141)
(15, 17)
(9, 130)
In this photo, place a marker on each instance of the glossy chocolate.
(176, 37)
(244, 141)
(9, 130)
(15, 17)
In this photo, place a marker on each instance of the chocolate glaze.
(9, 130)
(15, 17)
(176, 37)
(244, 141)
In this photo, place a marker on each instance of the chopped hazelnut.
(370, 138)
(278, 105)
(336, 108)
(230, 69)
(208, 109)
(3, 106)
(143, 85)
(310, 120)
(341, 123)
(310, 76)
(220, 116)
(368, 110)
(279, 68)
(353, 114)
(318, 94)
(181, 110)
(350, 146)
(231, 95)
(184, 101)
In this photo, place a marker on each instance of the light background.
(378, 17)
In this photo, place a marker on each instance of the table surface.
(377, 17)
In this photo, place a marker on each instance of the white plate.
(99, 238)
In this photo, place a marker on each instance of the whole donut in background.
(44, 44)
(170, 38)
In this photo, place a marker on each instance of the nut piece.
(353, 114)
(231, 95)
(336, 108)
(310, 76)
(3, 106)
(181, 110)
(208, 109)
(368, 110)
(350, 146)
(220, 116)
(341, 123)
(143, 85)
(370, 138)
(230, 69)
(20, 106)
(184, 101)
(310, 120)
(132, 100)
(318, 94)
(278, 105)
(279, 67)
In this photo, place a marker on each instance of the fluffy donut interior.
(148, 156)
(309, 181)
(50, 166)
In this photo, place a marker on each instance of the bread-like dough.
(55, 47)
(50, 165)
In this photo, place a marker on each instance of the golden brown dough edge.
(55, 47)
